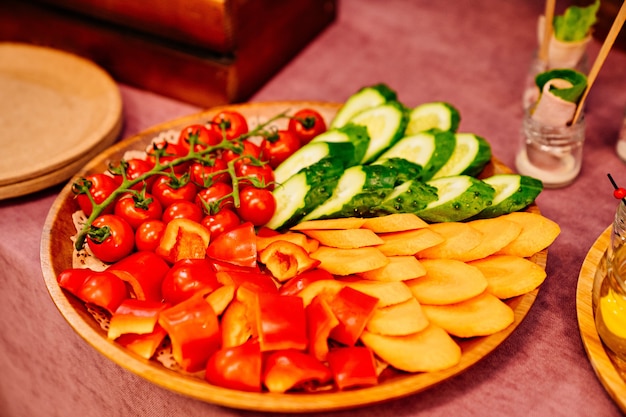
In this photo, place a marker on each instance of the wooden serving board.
(56, 255)
(599, 356)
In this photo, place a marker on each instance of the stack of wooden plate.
(57, 112)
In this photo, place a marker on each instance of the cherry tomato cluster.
(219, 174)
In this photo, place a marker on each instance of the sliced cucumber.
(360, 188)
(471, 154)
(304, 191)
(312, 153)
(459, 197)
(408, 197)
(405, 170)
(514, 192)
(430, 149)
(434, 115)
(355, 134)
(365, 98)
(385, 125)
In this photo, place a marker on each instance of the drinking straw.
(604, 51)
(547, 32)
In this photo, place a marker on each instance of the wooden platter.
(57, 112)
(599, 357)
(56, 250)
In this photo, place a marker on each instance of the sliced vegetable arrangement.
(309, 257)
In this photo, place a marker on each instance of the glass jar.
(609, 297)
(552, 154)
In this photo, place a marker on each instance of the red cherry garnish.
(619, 193)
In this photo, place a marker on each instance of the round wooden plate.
(56, 250)
(57, 112)
(599, 357)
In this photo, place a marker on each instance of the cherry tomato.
(136, 167)
(110, 238)
(276, 148)
(137, 210)
(171, 152)
(214, 198)
(148, 235)
(100, 186)
(203, 136)
(256, 205)
(222, 221)
(246, 151)
(183, 209)
(306, 124)
(186, 277)
(257, 175)
(230, 124)
(205, 174)
(168, 190)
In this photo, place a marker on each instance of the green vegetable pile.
(380, 157)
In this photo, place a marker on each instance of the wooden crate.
(251, 40)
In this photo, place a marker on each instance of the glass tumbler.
(552, 154)
(609, 298)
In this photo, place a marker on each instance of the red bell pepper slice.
(297, 283)
(236, 367)
(144, 345)
(236, 246)
(321, 321)
(72, 279)
(144, 271)
(134, 316)
(281, 322)
(104, 289)
(220, 266)
(183, 239)
(288, 369)
(194, 332)
(286, 259)
(255, 281)
(353, 366)
(353, 309)
(237, 325)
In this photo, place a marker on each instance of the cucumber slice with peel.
(433, 115)
(360, 188)
(408, 197)
(355, 134)
(385, 125)
(458, 198)
(304, 191)
(431, 150)
(513, 192)
(365, 98)
(471, 154)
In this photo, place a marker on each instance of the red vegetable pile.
(189, 262)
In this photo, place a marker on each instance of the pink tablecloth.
(474, 54)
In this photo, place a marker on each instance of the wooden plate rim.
(602, 365)
(404, 385)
